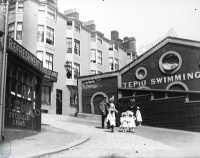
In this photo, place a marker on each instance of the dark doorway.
(58, 101)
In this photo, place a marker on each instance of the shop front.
(25, 76)
(165, 82)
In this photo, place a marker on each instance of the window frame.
(51, 13)
(50, 33)
(49, 61)
(77, 68)
(11, 31)
(40, 34)
(19, 32)
(20, 7)
(99, 57)
(69, 45)
(77, 46)
(95, 58)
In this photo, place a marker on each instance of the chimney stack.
(72, 13)
(90, 25)
(114, 35)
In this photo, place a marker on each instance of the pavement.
(61, 133)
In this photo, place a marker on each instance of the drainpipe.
(3, 76)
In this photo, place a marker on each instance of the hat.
(132, 100)
(112, 99)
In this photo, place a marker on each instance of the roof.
(158, 46)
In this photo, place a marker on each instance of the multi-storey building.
(65, 45)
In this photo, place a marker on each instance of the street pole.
(3, 76)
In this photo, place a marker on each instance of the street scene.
(99, 78)
(77, 137)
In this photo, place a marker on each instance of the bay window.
(69, 45)
(50, 36)
(40, 34)
(76, 47)
(93, 56)
(49, 61)
(99, 57)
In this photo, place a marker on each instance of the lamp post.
(69, 75)
(3, 75)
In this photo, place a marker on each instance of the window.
(93, 37)
(93, 72)
(116, 47)
(93, 56)
(46, 95)
(110, 46)
(76, 47)
(69, 25)
(41, 10)
(19, 89)
(20, 6)
(116, 64)
(129, 55)
(49, 61)
(19, 31)
(69, 45)
(40, 35)
(73, 95)
(12, 8)
(40, 55)
(77, 72)
(99, 57)
(11, 30)
(99, 39)
(51, 13)
(111, 64)
(99, 72)
(50, 36)
(77, 27)
(69, 70)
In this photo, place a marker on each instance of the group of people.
(128, 120)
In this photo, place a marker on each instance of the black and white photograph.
(99, 78)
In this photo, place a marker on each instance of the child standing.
(130, 121)
(123, 120)
(111, 118)
(138, 116)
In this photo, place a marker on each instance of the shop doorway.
(58, 101)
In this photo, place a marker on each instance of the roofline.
(158, 46)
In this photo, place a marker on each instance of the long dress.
(111, 118)
(123, 121)
(138, 116)
(130, 119)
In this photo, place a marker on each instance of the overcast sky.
(146, 20)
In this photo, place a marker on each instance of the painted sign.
(165, 79)
(30, 58)
(24, 53)
(14, 119)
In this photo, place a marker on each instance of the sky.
(149, 21)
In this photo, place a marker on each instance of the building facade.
(65, 45)
(164, 81)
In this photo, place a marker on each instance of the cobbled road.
(145, 142)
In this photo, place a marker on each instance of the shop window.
(73, 95)
(19, 31)
(111, 64)
(93, 56)
(77, 28)
(99, 57)
(11, 30)
(51, 13)
(20, 6)
(76, 47)
(46, 95)
(116, 64)
(28, 108)
(50, 36)
(41, 10)
(49, 61)
(69, 45)
(69, 25)
(93, 37)
(19, 88)
(40, 34)
(12, 8)
(40, 55)
(77, 70)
